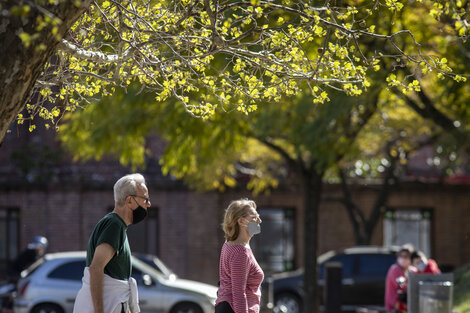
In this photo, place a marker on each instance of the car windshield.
(156, 264)
(163, 268)
(141, 268)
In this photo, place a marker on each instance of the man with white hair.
(107, 283)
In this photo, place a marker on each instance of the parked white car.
(51, 284)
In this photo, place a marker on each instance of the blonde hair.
(235, 210)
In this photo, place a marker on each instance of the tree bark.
(20, 66)
(311, 182)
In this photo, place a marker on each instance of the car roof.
(370, 249)
(68, 254)
(82, 255)
(360, 250)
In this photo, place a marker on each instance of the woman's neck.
(242, 240)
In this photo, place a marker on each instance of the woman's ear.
(240, 221)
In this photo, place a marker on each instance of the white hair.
(127, 186)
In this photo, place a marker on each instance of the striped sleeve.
(239, 276)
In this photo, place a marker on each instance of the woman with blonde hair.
(240, 274)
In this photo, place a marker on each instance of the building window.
(145, 237)
(9, 237)
(408, 226)
(274, 248)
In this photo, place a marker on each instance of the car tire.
(290, 301)
(186, 307)
(47, 308)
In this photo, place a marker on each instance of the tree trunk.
(364, 227)
(20, 66)
(311, 192)
(365, 237)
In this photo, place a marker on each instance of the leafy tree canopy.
(321, 133)
(229, 55)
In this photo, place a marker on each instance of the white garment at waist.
(115, 292)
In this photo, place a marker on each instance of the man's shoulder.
(110, 220)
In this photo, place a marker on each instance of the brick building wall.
(451, 217)
(189, 231)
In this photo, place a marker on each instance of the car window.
(346, 260)
(137, 275)
(149, 261)
(155, 263)
(375, 264)
(69, 271)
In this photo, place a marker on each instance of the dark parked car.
(364, 273)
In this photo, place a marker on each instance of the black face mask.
(139, 214)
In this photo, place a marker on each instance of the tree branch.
(433, 113)
(294, 164)
(95, 56)
(382, 198)
(356, 216)
(352, 134)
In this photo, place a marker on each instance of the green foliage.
(399, 130)
(211, 154)
(461, 289)
(393, 133)
(226, 56)
(112, 126)
(363, 131)
(203, 152)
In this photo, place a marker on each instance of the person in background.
(36, 249)
(240, 274)
(396, 282)
(423, 264)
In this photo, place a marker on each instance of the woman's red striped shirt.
(240, 279)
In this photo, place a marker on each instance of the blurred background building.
(44, 192)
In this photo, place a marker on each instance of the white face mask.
(253, 228)
(421, 266)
